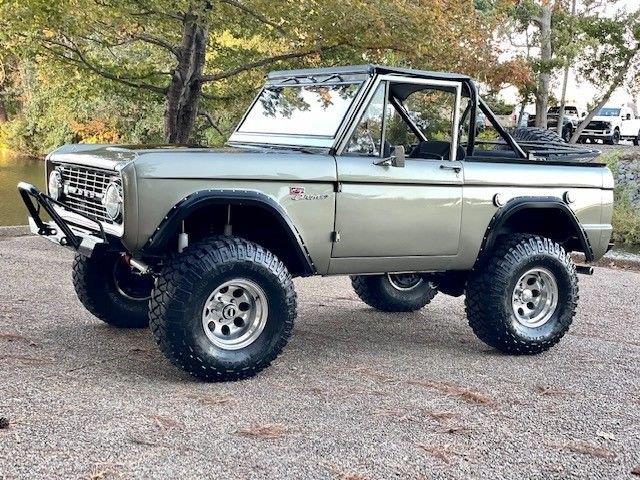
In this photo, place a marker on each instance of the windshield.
(609, 112)
(314, 110)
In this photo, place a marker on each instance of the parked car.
(611, 125)
(328, 174)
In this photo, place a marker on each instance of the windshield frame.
(239, 138)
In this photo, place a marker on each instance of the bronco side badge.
(296, 193)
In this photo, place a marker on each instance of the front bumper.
(597, 133)
(79, 238)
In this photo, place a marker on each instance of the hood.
(176, 162)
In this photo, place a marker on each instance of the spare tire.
(536, 134)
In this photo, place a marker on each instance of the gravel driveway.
(358, 394)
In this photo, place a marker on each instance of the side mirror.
(397, 158)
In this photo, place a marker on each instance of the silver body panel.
(416, 218)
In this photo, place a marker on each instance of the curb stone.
(14, 231)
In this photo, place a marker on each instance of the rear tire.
(223, 309)
(394, 293)
(111, 290)
(522, 300)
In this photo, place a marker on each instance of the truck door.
(393, 211)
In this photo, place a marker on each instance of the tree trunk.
(3, 112)
(544, 77)
(181, 104)
(565, 80)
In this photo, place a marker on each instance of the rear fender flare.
(519, 204)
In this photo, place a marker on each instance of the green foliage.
(626, 223)
(119, 55)
(499, 106)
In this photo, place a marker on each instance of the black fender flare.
(518, 204)
(161, 238)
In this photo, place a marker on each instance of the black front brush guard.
(69, 238)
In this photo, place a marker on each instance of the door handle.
(455, 168)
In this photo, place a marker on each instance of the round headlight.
(112, 200)
(55, 184)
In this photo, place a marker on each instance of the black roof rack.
(368, 69)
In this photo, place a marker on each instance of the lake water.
(13, 169)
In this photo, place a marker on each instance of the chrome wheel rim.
(535, 297)
(235, 314)
(405, 281)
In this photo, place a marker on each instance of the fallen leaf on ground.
(465, 394)
(263, 431)
(552, 391)
(211, 399)
(443, 453)
(636, 472)
(441, 415)
(4, 423)
(593, 450)
(166, 423)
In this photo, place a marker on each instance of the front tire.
(613, 139)
(111, 290)
(394, 293)
(522, 300)
(223, 309)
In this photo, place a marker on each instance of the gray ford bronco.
(369, 171)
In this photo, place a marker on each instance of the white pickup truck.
(611, 125)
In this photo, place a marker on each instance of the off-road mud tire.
(182, 289)
(95, 286)
(490, 287)
(536, 134)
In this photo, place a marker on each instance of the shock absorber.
(183, 239)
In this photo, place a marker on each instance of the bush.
(626, 217)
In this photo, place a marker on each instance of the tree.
(611, 56)
(537, 15)
(201, 54)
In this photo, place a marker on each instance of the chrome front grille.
(84, 188)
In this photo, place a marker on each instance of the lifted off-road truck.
(367, 171)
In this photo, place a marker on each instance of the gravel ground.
(358, 394)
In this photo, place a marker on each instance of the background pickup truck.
(611, 125)
(572, 117)
(370, 171)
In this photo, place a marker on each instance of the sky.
(579, 93)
